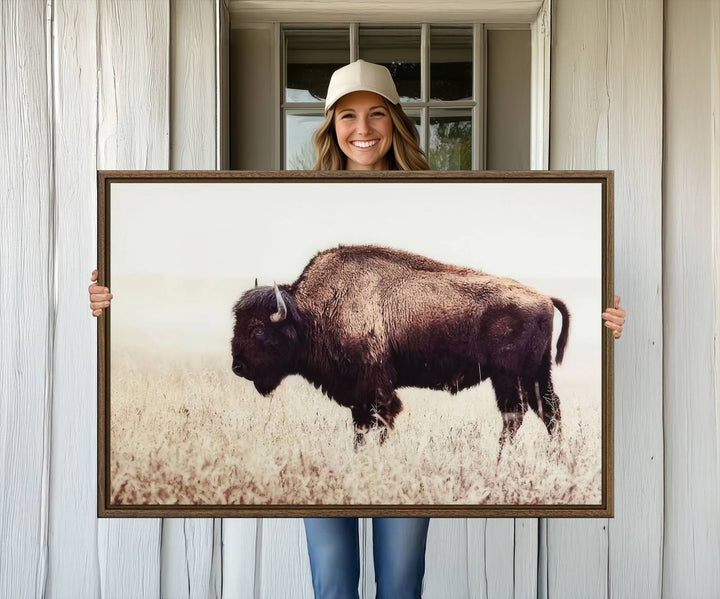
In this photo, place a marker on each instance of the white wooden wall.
(691, 302)
(607, 112)
(635, 87)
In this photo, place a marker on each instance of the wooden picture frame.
(180, 435)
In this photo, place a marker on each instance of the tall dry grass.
(185, 430)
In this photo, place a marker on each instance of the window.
(434, 68)
(467, 87)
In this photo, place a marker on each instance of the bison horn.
(281, 313)
(255, 282)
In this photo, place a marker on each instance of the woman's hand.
(99, 296)
(615, 318)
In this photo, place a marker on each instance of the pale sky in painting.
(271, 230)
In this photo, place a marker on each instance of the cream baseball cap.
(361, 76)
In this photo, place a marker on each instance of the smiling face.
(364, 130)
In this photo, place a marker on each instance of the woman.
(364, 126)
(365, 129)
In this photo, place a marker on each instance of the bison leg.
(550, 403)
(511, 403)
(511, 424)
(542, 397)
(379, 411)
(362, 421)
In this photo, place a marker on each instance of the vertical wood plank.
(577, 563)
(133, 119)
(542, 574)
(525, 576)
(26, 299)
(691, 402)
(635, 88)
(715, 193)
(239, 557)
(187, 544)
(284, 568)
(477, 587)
(608, 90)
(133, 125)
(216, 568)
(499, 544)
(577, 550)
(491, 557)
(222, 61)
(129, 557)
(187, 558)
(73, 563)
(367, 586)
(446, 559)
(193, 106)
(579, 96)
(367, 563)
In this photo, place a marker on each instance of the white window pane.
(450, 147)
(299, 149)
(398, 49)
(311, 58)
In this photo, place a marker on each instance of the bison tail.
(564, 332)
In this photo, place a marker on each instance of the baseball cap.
(361, 76)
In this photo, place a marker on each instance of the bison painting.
(362, 321)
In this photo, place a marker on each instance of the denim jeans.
(398, 552)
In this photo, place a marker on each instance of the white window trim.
(540, 89)
(382, 11)
(278, 90)
(539, 94)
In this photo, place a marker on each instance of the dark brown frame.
(602, 510)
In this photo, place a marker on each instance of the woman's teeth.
(364, 144)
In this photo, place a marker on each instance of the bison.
(362, 321)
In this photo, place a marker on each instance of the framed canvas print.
(355, 344)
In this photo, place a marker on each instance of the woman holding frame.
(365, 128)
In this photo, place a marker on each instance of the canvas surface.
(185, 430)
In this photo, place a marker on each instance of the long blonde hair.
(405, 153)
